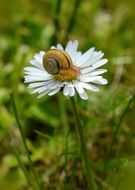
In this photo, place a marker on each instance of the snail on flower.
(59, 64)
(66, 69)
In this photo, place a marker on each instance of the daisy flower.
(67, 70)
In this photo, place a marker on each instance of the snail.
(59, 64)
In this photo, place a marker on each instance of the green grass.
(51, 146)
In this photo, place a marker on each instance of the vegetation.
(39, 147)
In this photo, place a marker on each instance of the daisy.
(68, 70)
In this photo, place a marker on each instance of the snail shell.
(56, 60)
(58, 63)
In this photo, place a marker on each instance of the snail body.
(59, 64)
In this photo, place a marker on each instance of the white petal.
(38, 84)
(86, 70)
(88, 79)
(33, 69)
(76, 57)
(42, 53)
(53, 84)
(37, 64)
(44, 93)
(34, 79)
(38, 57)
(39, 90)
(29, 74)
(54, 91)
(96, 72)
(73, 50)
(74, 46)
(71, 89)
(38, 78)
(49, 85)
(100, 81)
(59, 46)
(78, 87)
(34, 72)
(66, 90)
(84, 78)
(85, 57)
(100, 63)
(89, 86)
(83, 95)
(96, 56)
(53, 47)
(68, 48)
(94, 79)
(93, 67)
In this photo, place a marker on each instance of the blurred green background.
(27, 27)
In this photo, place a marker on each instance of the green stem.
(24, 141)
(116, 132)
(64, 123)
(84, 156)
(63, 115)
(21, 164)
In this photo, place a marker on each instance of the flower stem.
(84, 156)
(116, 132)
(37, 180)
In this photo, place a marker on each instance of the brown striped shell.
(58, 63)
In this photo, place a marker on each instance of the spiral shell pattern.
(59, 64)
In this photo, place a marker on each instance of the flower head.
(65, 69)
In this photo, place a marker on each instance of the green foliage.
(48, 124)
